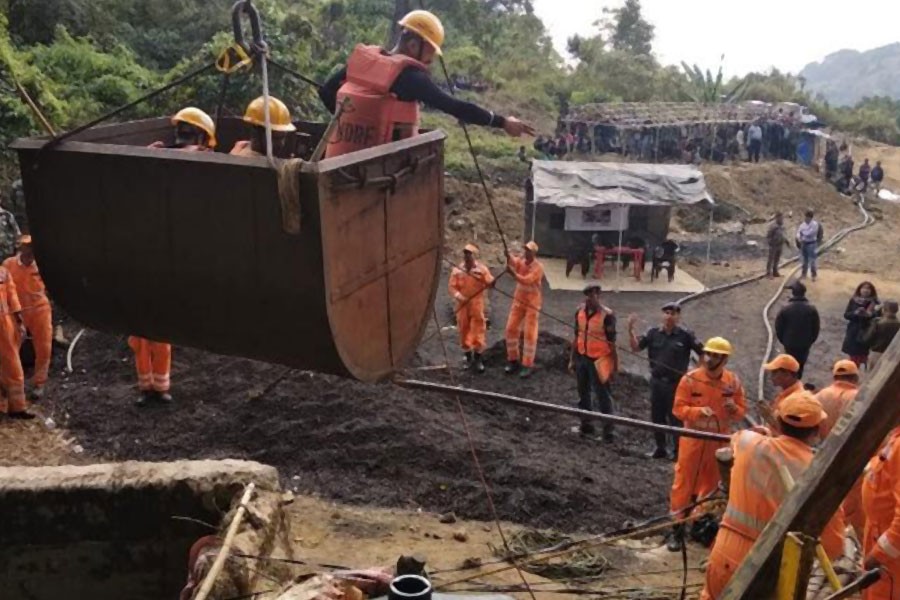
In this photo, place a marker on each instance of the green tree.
(629, 31)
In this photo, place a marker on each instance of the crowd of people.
(839, 170)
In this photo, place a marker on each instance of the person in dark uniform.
(669, 349)
(594, 359)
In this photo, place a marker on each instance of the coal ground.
(375, 444)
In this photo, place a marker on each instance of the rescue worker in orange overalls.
(881, 507)
(279, 121)
(835, 400)
(12, 330)
(467, 286)
(756, 488)
(784, 372)
(384, 89)
(195, 131)
(524, 311)
(708, 398)
(36, 311)
(593, 358)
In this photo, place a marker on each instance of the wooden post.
(224, 552)
(820, 490)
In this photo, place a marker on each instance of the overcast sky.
(754, 35)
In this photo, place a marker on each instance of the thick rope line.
(183, 79)
(478, 468)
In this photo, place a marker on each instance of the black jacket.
(797, 324)
(859, 314)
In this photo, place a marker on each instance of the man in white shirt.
(809, 236)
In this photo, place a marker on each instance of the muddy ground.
(385, 446)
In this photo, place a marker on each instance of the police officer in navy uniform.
(669, 348)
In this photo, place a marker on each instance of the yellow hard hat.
(279, 115)
(199, 119)
(427, 26)
(718, 345)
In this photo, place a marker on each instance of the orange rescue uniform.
(755, 493)
(525, 308)
(153, 361)
(835, 399)
(881, 505)
(12, 378)
(797, 387)
(374, 115)
(36, 313)
(696, 472)
(467, 288)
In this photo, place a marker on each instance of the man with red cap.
(757, 489)
(36, 311)
(784, 372)
(523, 314)
(467, 285)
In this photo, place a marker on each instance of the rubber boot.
(525, 373)
(145, 398)
(477, 363)
(37, 393)
(511, 367)
(22, 414)
(467, 360)
(164, 397)
(675, 541)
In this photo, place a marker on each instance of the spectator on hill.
(809, 235)
(877, 177)
(739, 140)
(864, 171)
(831, 159)
(570, 141)
(797, 325)
(754, 142)
(776, 239)
(881, 332)
(861, 311)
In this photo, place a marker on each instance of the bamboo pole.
(213, 574)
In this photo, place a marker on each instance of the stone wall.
(121, 530)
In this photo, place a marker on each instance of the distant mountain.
(848, 76)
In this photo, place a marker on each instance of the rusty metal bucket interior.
(199, 248)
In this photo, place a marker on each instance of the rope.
(266, 112)
(52, 143)
(296, 74)
(484, 484)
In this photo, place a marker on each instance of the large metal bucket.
(196, 248)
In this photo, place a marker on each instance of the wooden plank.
(820, 490)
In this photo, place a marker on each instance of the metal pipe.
(546, 406)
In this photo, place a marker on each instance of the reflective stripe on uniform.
(749, 525)
(889, 549)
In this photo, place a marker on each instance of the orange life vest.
(590, 339)
(373, 115)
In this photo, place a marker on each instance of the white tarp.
(589, 184)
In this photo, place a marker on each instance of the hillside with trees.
(81, 58)
(846, 77)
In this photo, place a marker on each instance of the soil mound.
(469, 218)
(378, 444)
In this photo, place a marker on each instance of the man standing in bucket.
(385, 89)
(594, 359)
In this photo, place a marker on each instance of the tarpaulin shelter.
(569, 203)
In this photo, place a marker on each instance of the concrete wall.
(107, 531)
